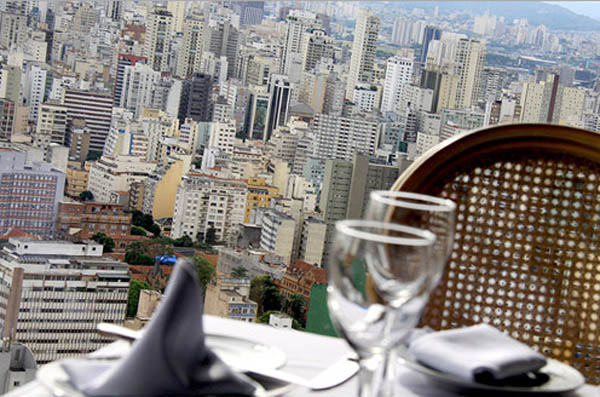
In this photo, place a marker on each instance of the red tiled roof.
(16, 232)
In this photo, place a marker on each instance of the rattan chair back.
(526, 257)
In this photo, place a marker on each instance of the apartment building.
(29, 194)
(80, 221)
(157, 40)
(346, 188)
(259, 196)
(93, 107)
(338, 137)
(77, 178)
(312, 241)
(230, 298)
(277, 234)
(206, 202)
(110, 174)
(53, 293)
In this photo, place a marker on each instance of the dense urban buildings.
(241, 131)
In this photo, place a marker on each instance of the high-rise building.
(363, 50)
(123, 60)
(222, 136)
(7, 118)
(178, 9)
(277, 234)
(312, 241)
(117, 174)
(54, 293)
(13, 29)
(346, 189)
(251, 12)
(29, 195)
(10, 83)
(114, 10)
(468, 66)
(85, 18)
(51, 125)
(222, 39)
(138, 86)
(333, 103)
(281, 95)
(259, 195)
(257, 116)
(430, 33)
(491, 84)
(190, 53)
(195, 102)
(157, 40)
(366, 97)
(398, 75)
(316, 45)
(298, 22)
(205, 202)
(551, 102)
(37, 88)
(339, 137)
(93, 107)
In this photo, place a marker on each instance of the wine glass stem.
(377, 375)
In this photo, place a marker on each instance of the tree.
(144, 252)
(183, 241)
(138, 258)
(239, 272)
(271, 299)
(106, 241)
(86, 196)
(257, 285)
(295, 307)
(93, 155)
(154, 229)
(133, 299)
(145, 221)
(137, 231)
(210, 236)
(206, 271)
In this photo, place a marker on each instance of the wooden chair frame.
(526, 257)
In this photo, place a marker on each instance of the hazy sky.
(589, 8)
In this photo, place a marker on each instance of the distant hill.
(536, 13)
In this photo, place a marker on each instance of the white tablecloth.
(306, 353)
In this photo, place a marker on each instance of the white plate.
(562, 378)
(232, 349)
(229, 349)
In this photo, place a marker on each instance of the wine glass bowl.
(438, 215)
(375, 265)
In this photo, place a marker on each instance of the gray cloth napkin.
(170, 359)
(474, 352)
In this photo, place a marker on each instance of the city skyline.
(237, 134)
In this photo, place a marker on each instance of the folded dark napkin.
(170, 359)
(475, 353)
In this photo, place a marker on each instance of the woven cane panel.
(526, 257)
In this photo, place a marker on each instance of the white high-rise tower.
(468, 66)
(158, 37)
(363, 50)
(398, 75)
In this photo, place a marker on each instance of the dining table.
(307, 354)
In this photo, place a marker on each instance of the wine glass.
(375, 265)
(435, 214)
